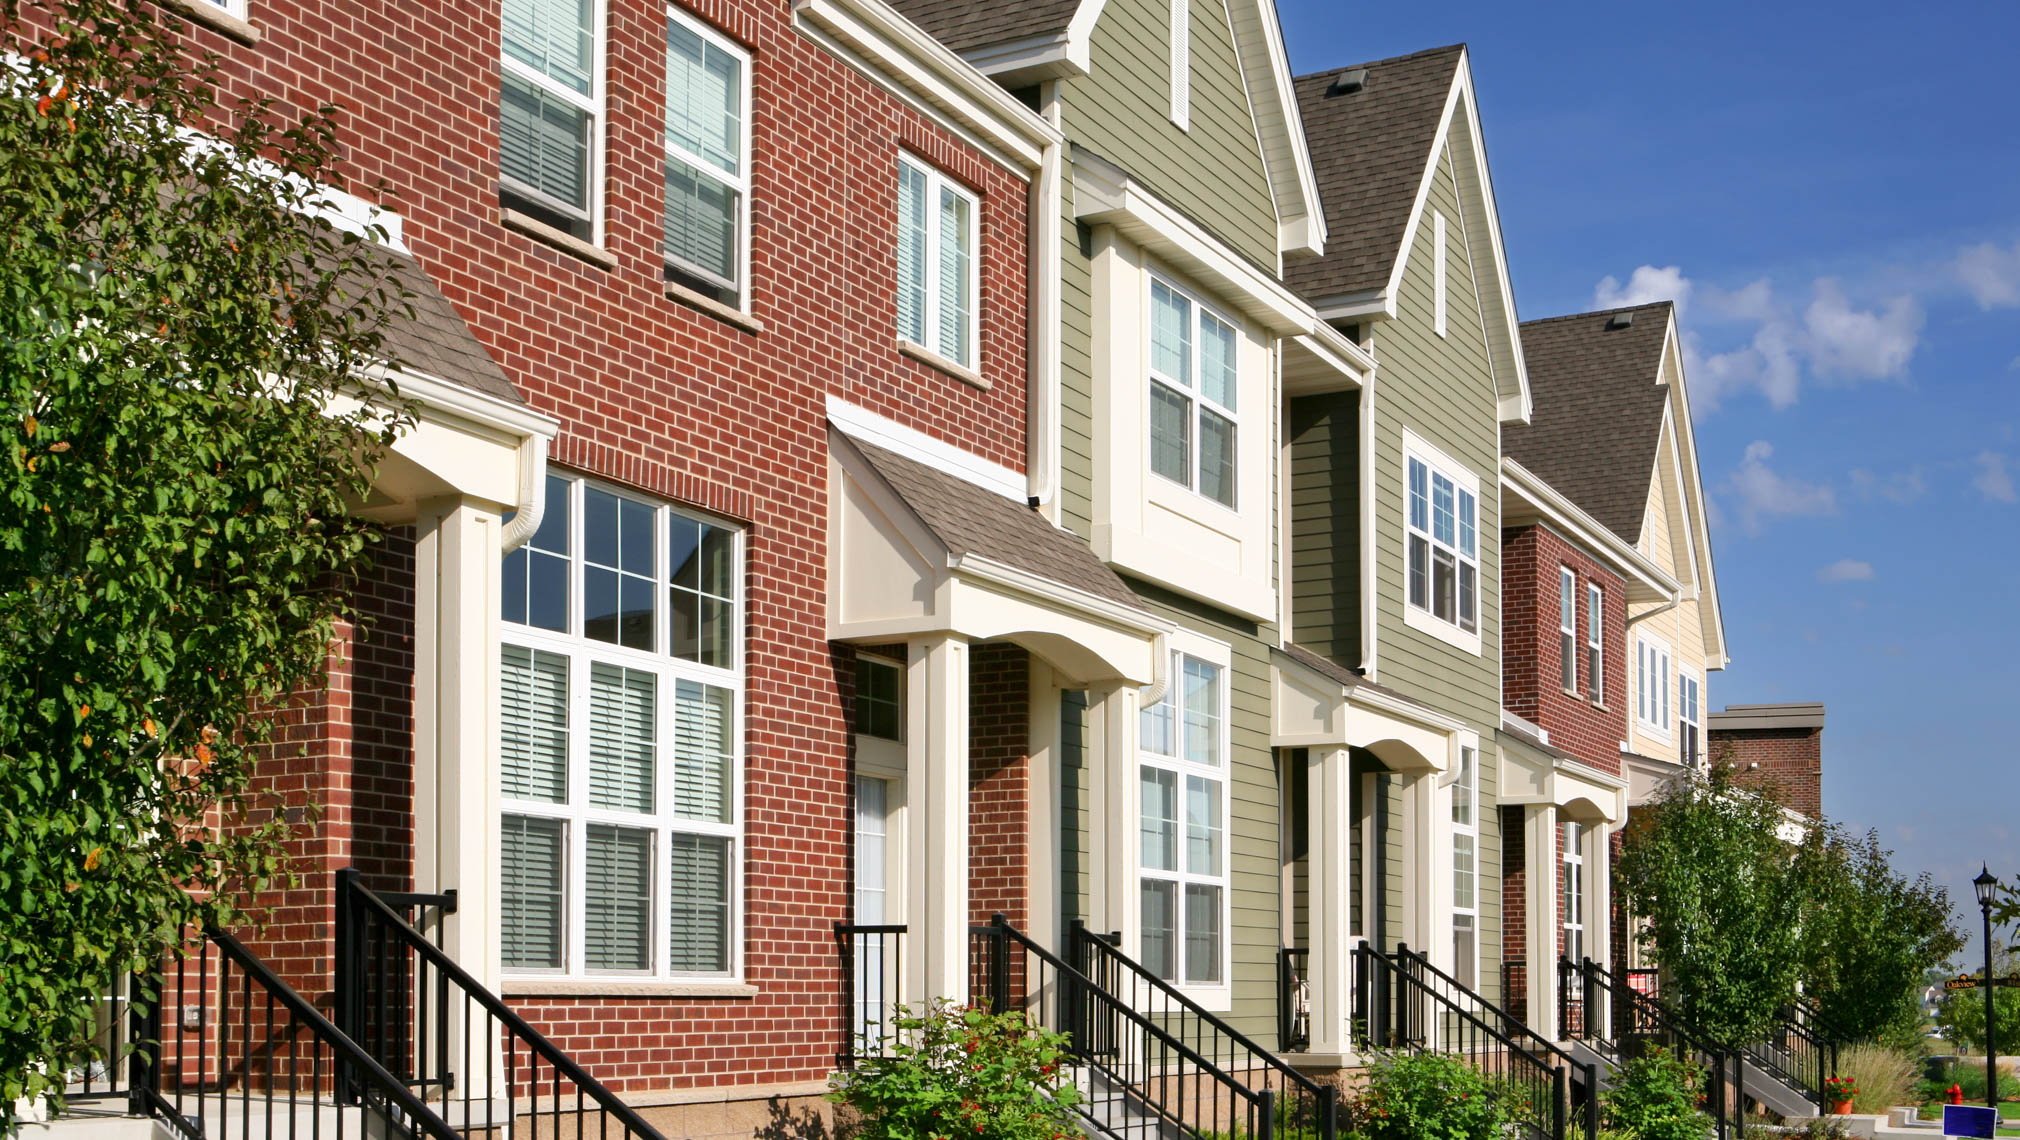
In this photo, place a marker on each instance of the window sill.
(1441, 629)
(617, 987)
(1601, 706)
(216, 18)
(714, 308)
(1574, 694)
(931, 359)
(565, 242)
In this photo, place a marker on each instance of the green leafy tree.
(1721, 891)
(1960, 1014)
(182, 429)
(1872, 936)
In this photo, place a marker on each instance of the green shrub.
(1883, 1076)
(954, 1073)
(1970, 1076)
(1427, 1097)
(1655, 1097)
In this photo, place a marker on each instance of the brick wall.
(999, 781)
(1515, 910)
(1532, 681)
(1786, 763)
(664, 397)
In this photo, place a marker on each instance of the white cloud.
(1860, 344)
(1993, 480)
(1900, 487)
(1991, 274)
(1765, 493)
(1645, 285)
(1846, 570)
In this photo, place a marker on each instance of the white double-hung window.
(1572, 885)
(707, 220)
(1688, 718)
(549, 121)
(621, 687)
(1466, 868)
(1567, 627)
(1183, 828)
(1194, 376)
(1443, 541)
(1651, 673)
(939, 242)
(1595, 641)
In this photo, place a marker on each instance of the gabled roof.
(432, 339)
(1369, 151)
(966, 25)
(1597, 404)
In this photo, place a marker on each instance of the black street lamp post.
(1984, 884)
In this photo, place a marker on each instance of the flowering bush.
(1427, 1097)
(1841, 1088)
(955, 1073)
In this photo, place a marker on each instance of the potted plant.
(1840, 1091)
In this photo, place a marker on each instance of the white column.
(1599, 902)
(936, 838)
(1539, 859)
(1111, 760)
(456, 590)
(1421, 867)
(1043, 840)
(1329, 897)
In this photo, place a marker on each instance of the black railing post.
(146, 1033)
(999, 963)
(1591, 1101)
(1564, 999)
(1739, 1093)
(348, 970)
(1329, 1113)
(1560, 1101)
(1266, 1107)
(845, 949)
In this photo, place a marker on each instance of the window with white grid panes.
(1567, 628)
(1595, 642)
(1652, 685)
(1443, 543)
(1690, 728)
(939, 245)
(1183, 747)
(1573, 887)
(1195, 375)
(707, 209)
(619, 748)
(1466, 868)
(550, 114)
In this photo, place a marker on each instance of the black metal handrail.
(1294, 1021)
(1403, 1002)
(873, 960)
(1161, 1067)
(105, 1071)
(382, 959)
(1638, 1018)
(264, 1075)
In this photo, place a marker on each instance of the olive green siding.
(1441, 388)
(1325, 524)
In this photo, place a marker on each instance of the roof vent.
(1619, 321)
(1350, 81)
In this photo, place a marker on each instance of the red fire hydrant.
(1956, 1094)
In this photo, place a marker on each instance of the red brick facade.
(999, 779)
(1532, 685)
(1786, 763)
(666, 398)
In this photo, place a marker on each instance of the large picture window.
(939, 236)
(1466, 869)
(1184, 745)
(1194, 376)
(548, 122)
(707, 160)
(619, 751)
(1444, 543)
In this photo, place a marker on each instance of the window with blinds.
(549, 107)
(938, 242)
(620, 683)
(1182, 826)
(707, 160)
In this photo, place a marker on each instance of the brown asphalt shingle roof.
(434, 340)
(1333, 670)
(1596, 415)
(1369, 153)
(972, 520)
(965, 25)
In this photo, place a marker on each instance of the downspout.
(532, 505)
(1041, 411)
(1370, 637)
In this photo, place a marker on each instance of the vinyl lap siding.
(1325, 525)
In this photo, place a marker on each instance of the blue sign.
(1969, 1120)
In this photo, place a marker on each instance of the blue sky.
(1833, 193)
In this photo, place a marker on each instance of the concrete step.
(1785, 1101)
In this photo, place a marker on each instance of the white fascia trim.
(1104, 195)
(881, 431)
(1514, 408)
(1080, 32)
(903, 57)
(1522, 724)
(1035, 58)
(1587, 772)
(1332, 346)
(1587, 531)
(1372, 304)
(1709, 611)
(520, 427)
(1404, 710)
(1301, 225)
(1058, 596)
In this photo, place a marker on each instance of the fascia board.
(1588, 532)
(1708, 608)
(1301, 226)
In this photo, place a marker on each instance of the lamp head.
(1983, 884)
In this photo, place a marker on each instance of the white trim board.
(882, 431)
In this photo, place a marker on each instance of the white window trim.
(1217, 998)
(935, 183)
(1470, 829)
(228, 7)
(1683, 676)
(740, 182)
(594, 103)
(1423, 620)
(576, 814)
(1595, 641)
(1193, 392)
(1438, 273)
(1567, 628)
(1573, 900)
(1652, 693)
(1181, 64)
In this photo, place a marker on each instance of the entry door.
(876, 954)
